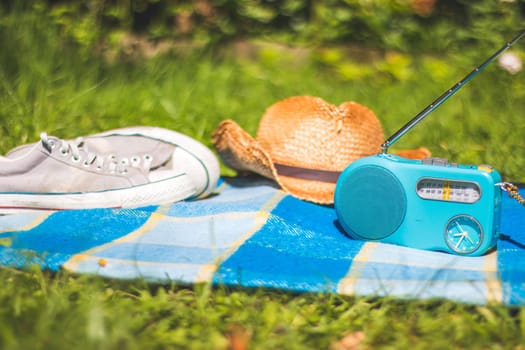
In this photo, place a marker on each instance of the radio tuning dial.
(463, 234)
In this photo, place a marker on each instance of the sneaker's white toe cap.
(202, 169)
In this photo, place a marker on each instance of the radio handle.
(431, 107)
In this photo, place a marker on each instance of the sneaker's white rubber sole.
(169, 190)
(195, 159)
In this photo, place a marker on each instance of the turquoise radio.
(430, 204)
(427, 204)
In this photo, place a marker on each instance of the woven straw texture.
(304, 132)
(311, 133)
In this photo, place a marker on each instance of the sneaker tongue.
(163, 155)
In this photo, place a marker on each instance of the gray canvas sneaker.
(122, 168)
(165, 152)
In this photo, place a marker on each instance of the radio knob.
(486, 167)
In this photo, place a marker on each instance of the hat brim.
(239, 151)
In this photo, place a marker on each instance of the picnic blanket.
(251, 234)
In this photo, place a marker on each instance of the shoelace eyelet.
(76, 159)
(64, 152)
(135, 161)
(52, 144)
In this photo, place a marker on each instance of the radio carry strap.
(513, 192)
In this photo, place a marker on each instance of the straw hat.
(304, 143)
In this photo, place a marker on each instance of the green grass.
(43, 311)
(47, 86)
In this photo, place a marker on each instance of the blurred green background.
(409, 26)
(77, 67)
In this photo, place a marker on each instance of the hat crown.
(308, 132)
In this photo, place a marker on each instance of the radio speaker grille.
(371, 202)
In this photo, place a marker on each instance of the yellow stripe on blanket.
(73, 263)
(8, 241)
(390, 270)
(494, 287)
(159, 224)
(347, 284)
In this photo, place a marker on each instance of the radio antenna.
(431, 107)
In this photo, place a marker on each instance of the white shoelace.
(80, 153)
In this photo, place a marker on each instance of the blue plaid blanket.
(252, 234)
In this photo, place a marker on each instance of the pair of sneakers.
(121, 168)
